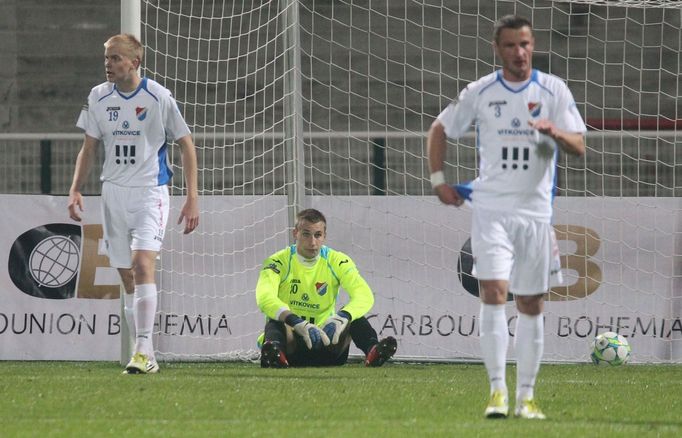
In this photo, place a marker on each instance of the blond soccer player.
(134, 118)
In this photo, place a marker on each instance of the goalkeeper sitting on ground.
(297, 291)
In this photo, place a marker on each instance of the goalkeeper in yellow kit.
(297, 291)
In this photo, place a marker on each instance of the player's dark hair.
(311, 215)
(510, 22)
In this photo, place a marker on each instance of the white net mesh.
(326, 104)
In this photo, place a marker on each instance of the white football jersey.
(517, 164)
(134, 129)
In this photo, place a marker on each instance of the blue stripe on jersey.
(140, 87)
(292, 251)
(144, 86)
(107, 95)
(324, 252)
(137, 90)
(165, 172)
(554, 183)
(534, 78)
(490, 84)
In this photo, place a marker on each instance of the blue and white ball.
(610, 348)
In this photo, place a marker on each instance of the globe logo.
(54, 261)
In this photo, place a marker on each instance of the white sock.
(129, 312)
(529, 343)
(145, 311)
(494, 340)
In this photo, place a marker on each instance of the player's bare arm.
(190, 209)
(570, 142)
(436, 142)
(84, 163)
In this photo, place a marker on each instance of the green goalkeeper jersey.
(311, 291)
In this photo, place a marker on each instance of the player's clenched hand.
(75, 206)
(448, 195)
(335, 325)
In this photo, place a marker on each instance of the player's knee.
(142, 270)
(530, 305)
(493, 292)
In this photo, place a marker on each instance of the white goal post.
(308, 103)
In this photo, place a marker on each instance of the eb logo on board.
(586, 242)
(60, 261)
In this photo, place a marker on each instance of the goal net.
(325, 104)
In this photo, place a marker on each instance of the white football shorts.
(515, 248)
(134, 218)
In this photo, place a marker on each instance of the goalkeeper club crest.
(534, 108)
(321, 288)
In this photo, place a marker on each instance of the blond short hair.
(132, 47)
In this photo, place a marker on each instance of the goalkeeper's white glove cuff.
(335, 325)
(312, 335)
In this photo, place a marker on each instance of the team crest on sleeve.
(273, 267)
(321, 288)
(534, 108)
(141, 113)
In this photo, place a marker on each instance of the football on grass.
(610, 348)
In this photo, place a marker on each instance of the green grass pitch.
(412, 400)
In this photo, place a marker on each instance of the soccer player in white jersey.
(134, 118)
(297, 291)
(521, 117)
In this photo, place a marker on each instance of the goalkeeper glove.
(312, 335)
(335, 325)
